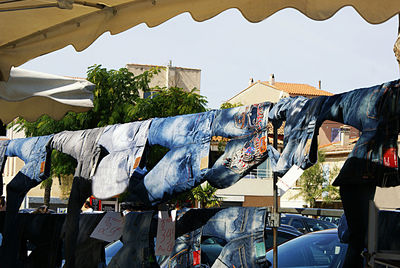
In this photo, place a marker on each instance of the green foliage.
(227, 105)
(168, 102)
(204, 194)
(312, 180)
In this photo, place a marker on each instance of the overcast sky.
(344, 52)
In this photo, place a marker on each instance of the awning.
(30, 28)
(31, 94)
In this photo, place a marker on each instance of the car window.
(297, 224)
(322, 250)
(285, 220)
(282, 237)
(314, 225)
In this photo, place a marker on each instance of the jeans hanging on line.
(122, 146)
(301, 132)
(375, 111)
(82, 145)
(36, 154)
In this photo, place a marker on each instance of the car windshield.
(317, 250)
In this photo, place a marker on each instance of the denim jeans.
(187, 251)
(301, 132)
(375, 112)
(36, 154)
(246, 129)
(3, 158)
(122, 146)
(243, 230)
(81, 145)
(89, 252)
(183, 167)
(138, 250)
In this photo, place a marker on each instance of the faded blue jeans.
(122, 146)
(187, 251)
(243, 230)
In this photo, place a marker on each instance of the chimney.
(251, 81)
(272, 79)
(344, 135)
(319, 84)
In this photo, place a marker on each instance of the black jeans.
(355, 200)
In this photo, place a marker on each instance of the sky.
(344, 52)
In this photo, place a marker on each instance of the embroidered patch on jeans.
(390, 158)
(260, 249)
(196, 257)
(42, 165)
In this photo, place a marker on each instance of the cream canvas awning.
(31, 94)
(30, 28)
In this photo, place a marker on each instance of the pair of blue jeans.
(187, 251)
(242, 228)
(122, 147)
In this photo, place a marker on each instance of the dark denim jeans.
(301, 132)
(138, 248)
(374, 111)
(122, 147)
(3, 158)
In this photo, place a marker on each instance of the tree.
(313, 183)
(227, 105)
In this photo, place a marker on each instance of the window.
(335, 134)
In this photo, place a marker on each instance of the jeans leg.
(80, 191)
(16, 191)
(355, 200)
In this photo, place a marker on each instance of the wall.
(257, 93)
(170, 76)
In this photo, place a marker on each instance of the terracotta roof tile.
(298, 89)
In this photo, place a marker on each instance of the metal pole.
(275, 206)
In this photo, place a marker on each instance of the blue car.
(317, 249)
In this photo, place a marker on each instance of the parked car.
(305, 224)
(334, 220)
(211, 247)
(316, 249)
